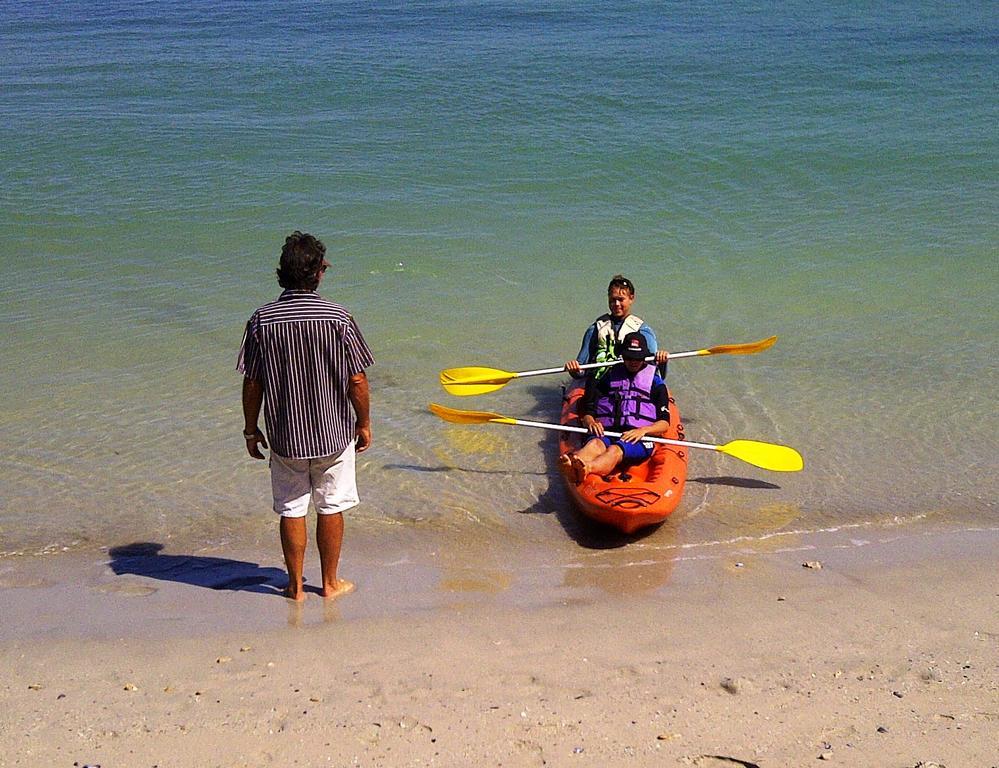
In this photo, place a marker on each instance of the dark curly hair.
(301, 259)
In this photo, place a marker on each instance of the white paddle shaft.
(583, 430)
(605, 363)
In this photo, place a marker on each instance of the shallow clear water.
(478, 171)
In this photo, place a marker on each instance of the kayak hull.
(635, 496)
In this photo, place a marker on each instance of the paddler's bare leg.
(329, 537)
(593, 448)
(293, 541)
(592, 457)
(605, 462)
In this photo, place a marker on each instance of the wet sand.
(880, 654)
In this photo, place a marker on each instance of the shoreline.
(143, 590)
(884, 656)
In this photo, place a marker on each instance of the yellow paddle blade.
(778, 458)
(463, 389)
(474, 380)
(474, 374)
(464, 417)
(741, 349)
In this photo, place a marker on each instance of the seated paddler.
(605, 335)
(631, 399)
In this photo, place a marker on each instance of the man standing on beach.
(303, 358)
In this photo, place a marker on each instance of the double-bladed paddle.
(779, 458)
(476, 380)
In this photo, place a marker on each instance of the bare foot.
(342, 587)
(298, 595)
(572, 467)
(565, 466)
(578, 469)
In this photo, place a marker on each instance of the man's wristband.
(250, 435)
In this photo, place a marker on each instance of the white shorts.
(329, 481)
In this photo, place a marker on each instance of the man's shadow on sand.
(144, 559)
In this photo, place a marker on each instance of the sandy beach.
(479, 171)
(878, 655)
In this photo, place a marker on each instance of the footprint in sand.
(128, 589)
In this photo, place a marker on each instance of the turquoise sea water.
(478, 171)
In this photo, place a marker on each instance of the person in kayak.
(605, 334)
(632, 399)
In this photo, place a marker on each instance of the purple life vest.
(627, 403)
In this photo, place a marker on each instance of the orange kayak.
(636, 495)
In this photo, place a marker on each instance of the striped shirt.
(304, 349)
